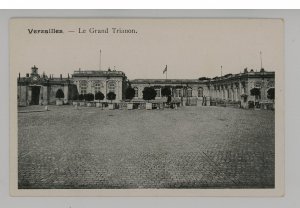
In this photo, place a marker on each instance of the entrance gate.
(35, 96)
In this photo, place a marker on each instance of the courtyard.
(190, 147)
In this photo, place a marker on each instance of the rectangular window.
(179, 92)
(189, 92)
(157, 92)
(97, 87)
(136, 92)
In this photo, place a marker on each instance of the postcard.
(146, 107)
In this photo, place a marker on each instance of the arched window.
(111, 86)
(136, 92)
(157, 90)
(83, 87)
(200, 92)
(97, 87)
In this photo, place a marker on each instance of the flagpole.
(221, 72)
(167, 74)
(100, 61)
(260, 53)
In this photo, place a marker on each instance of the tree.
(99, 96)
(89, 97)
(75, 96)
(271, 93)
(129, 93)
(86, 97)
(166, 91)
(149, 93)
(203, 78)
(80, 97)
(111, 96)
(60, 94)
(73, 92)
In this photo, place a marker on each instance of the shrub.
(129, 93)
(111, 96)
(80, 97)
(73, 92)
(203, 78)
(99, 96)
(149, 93)
(89, 97)
(60, 94)
(75, 96)
(85, 96)
(166, 91)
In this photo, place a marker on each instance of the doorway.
(35, 96)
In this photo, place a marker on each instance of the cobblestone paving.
(191, 147)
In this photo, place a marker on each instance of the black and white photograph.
(150, 106)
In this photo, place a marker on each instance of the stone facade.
(228, 88)
(104, 81)
(36, 89)
(232, 88)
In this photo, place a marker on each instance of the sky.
(191, 48)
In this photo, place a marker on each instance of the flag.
(165, 70)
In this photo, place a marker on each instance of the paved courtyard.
(191, 147)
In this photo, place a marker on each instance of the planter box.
(59, 102)
(98, 105)
(82, 103)
(89, 104)
(148, 106)
(75, 103)
(111, 106)
(129, 106)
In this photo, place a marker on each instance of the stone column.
(45, 95)
(66, 92)
(29, 95)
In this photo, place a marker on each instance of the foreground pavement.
(191, 147)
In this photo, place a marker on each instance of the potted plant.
(149, 93)
(59, 94)
(81, 99)
(99, 96)
(129, 94)
(111, 96)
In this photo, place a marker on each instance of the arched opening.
(200, 92)
(111, 86)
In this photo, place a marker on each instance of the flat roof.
(97, 73)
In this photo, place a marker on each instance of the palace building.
(230, 88)
(36, 89)
(104, 81)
